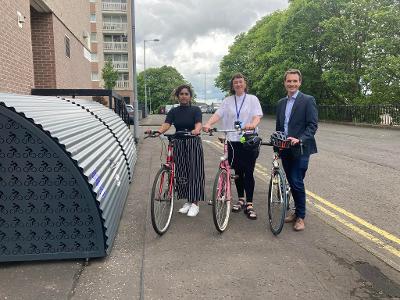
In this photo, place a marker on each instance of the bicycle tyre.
(277, 201)
(162, 201)
(221, 205)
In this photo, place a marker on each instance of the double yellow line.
(337, 213)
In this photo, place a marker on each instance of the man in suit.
(297, 116)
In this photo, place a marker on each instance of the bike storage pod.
(65, 169)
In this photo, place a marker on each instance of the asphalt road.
(349, 250)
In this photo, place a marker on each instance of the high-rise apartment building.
(110, 40)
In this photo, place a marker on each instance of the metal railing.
(115, 46)
(386, 115)
(115, 101)
(120, 65)
(115, 27)
(110, 6)
(122, 84)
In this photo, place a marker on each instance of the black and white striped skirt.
(189, 168)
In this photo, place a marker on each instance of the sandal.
(250, 212)
(239, 205)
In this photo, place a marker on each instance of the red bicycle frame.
(169, 164)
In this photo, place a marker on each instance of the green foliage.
(347, 50)
(109, 75)
(161, 82)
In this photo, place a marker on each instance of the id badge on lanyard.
(238, 111)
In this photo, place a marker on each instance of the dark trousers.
(243, 162)
(295, 169)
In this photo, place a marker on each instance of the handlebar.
(279, 144)
(212, 130)
(156, 133)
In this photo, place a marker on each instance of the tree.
(109, 75)
(161, 82)
(347, 50)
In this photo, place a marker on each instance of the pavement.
(346, 181)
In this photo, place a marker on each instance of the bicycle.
(222, 194)
(163, 192)
(280, 199)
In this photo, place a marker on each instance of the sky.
(194, 35)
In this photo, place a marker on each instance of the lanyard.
(240, 108)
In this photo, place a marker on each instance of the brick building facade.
(44, 44)
(16, 59)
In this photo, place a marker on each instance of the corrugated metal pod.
(65, 169)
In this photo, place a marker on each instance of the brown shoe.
(299, 225)
(290, 218)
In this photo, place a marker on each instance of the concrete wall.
(74, 71)
(74, 14)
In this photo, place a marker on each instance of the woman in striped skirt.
(188, 150)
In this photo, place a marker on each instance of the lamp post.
(150, 100)
(134, 77)
(205, 84)
(144, 72)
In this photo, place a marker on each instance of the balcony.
(115, 46)
(114, 7)
(120, 65)
(122, 84)
(115, 27)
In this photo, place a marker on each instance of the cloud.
(195, 34)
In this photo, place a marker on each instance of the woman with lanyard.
(188, 150)
(244, 109)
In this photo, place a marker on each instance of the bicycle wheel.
(277, 201)
(221, 204)
(162, 201)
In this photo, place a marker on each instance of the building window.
(67, 47)
(95, 76)
(93, 37)
(94, 57)
(93, 1)
(93, 18)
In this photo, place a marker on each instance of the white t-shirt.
(228, 112)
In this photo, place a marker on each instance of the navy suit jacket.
(303, 122)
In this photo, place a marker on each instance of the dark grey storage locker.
(65, 171)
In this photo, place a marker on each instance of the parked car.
(131, 113)
(204, 109)
(215, 106)
(168, 107)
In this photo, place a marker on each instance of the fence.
(387, 115)
(115, 101)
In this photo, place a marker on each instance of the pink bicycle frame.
(224, 164)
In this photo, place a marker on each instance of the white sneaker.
(193, 211)
(185, 208)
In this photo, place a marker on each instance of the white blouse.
(228, 112)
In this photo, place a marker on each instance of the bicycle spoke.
(161, 201)
(221, 204)
(277, 199)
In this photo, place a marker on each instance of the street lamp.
(134, 77)
(150, 100)
(205, 84)
(144, 71)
